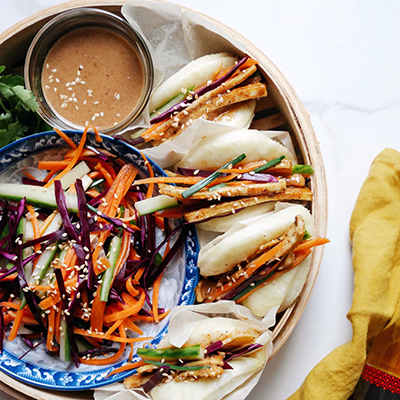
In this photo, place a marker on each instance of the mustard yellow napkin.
(375, 237)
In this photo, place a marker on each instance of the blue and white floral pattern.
(67, 377)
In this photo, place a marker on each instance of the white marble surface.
(342, 58)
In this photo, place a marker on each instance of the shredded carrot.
(188, 180)
(97, 315)
(138, 275)
(299, 258)
(118, 189)
(53, 165)
(93, 342)
(8, 319)
(130, 357)
(16, 324)
(113, 327)
(149, 133)
(47, 222)
(248, 63)
(75, 158)
(174, 212)
(134, 309)
(102, 264)
(113, 358)
(87, 153)
(130, 288)
(10, 304)
(126, 367)
(9, 278)
(114, 338)
(27, 318)
(67, 139)
(28, 175)
(249, 270)
(148, 318)
(107, 176)
(133, 327)
(94, 174)
(150, 189)
(103, 163)
(35, 224)
(49, 302)
(156, 290)
(92, 193)
(49, 175)
(308, 244)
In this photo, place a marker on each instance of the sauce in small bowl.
(89, 67)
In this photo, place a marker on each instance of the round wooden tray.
(286, 112)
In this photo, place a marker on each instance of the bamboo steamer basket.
(284, 112)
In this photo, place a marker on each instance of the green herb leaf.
(26, 97)
(18, 110)
(269, 164)
(302, 169)
(13, 131)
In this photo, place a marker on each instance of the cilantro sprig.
(18, 110)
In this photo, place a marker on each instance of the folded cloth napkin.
(375, 237)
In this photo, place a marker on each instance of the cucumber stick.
(65, 345)
(47, 256)
(108, 275)
(45, 259)
(36, 195)
(153, 204)
(78, 172)
(172, 102)
(195, 352)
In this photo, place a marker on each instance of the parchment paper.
(175, 37)
(184, 320)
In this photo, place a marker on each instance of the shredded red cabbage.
(2, 329)
(245, 350)
(33, 182)
(227, 366)
(26, 290)
(262, 273)
(155, 379)
(115, 221)
(266, 178)
(31, 347)
(150, 274)
(85, 233)
(193, 172)
(214, 346)
(98, 351)
(103, 156)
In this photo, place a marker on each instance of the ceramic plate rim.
(43, 377)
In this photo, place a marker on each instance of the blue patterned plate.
(37, 367)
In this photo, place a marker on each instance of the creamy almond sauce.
(92, 76)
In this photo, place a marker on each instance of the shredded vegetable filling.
(78, 262)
